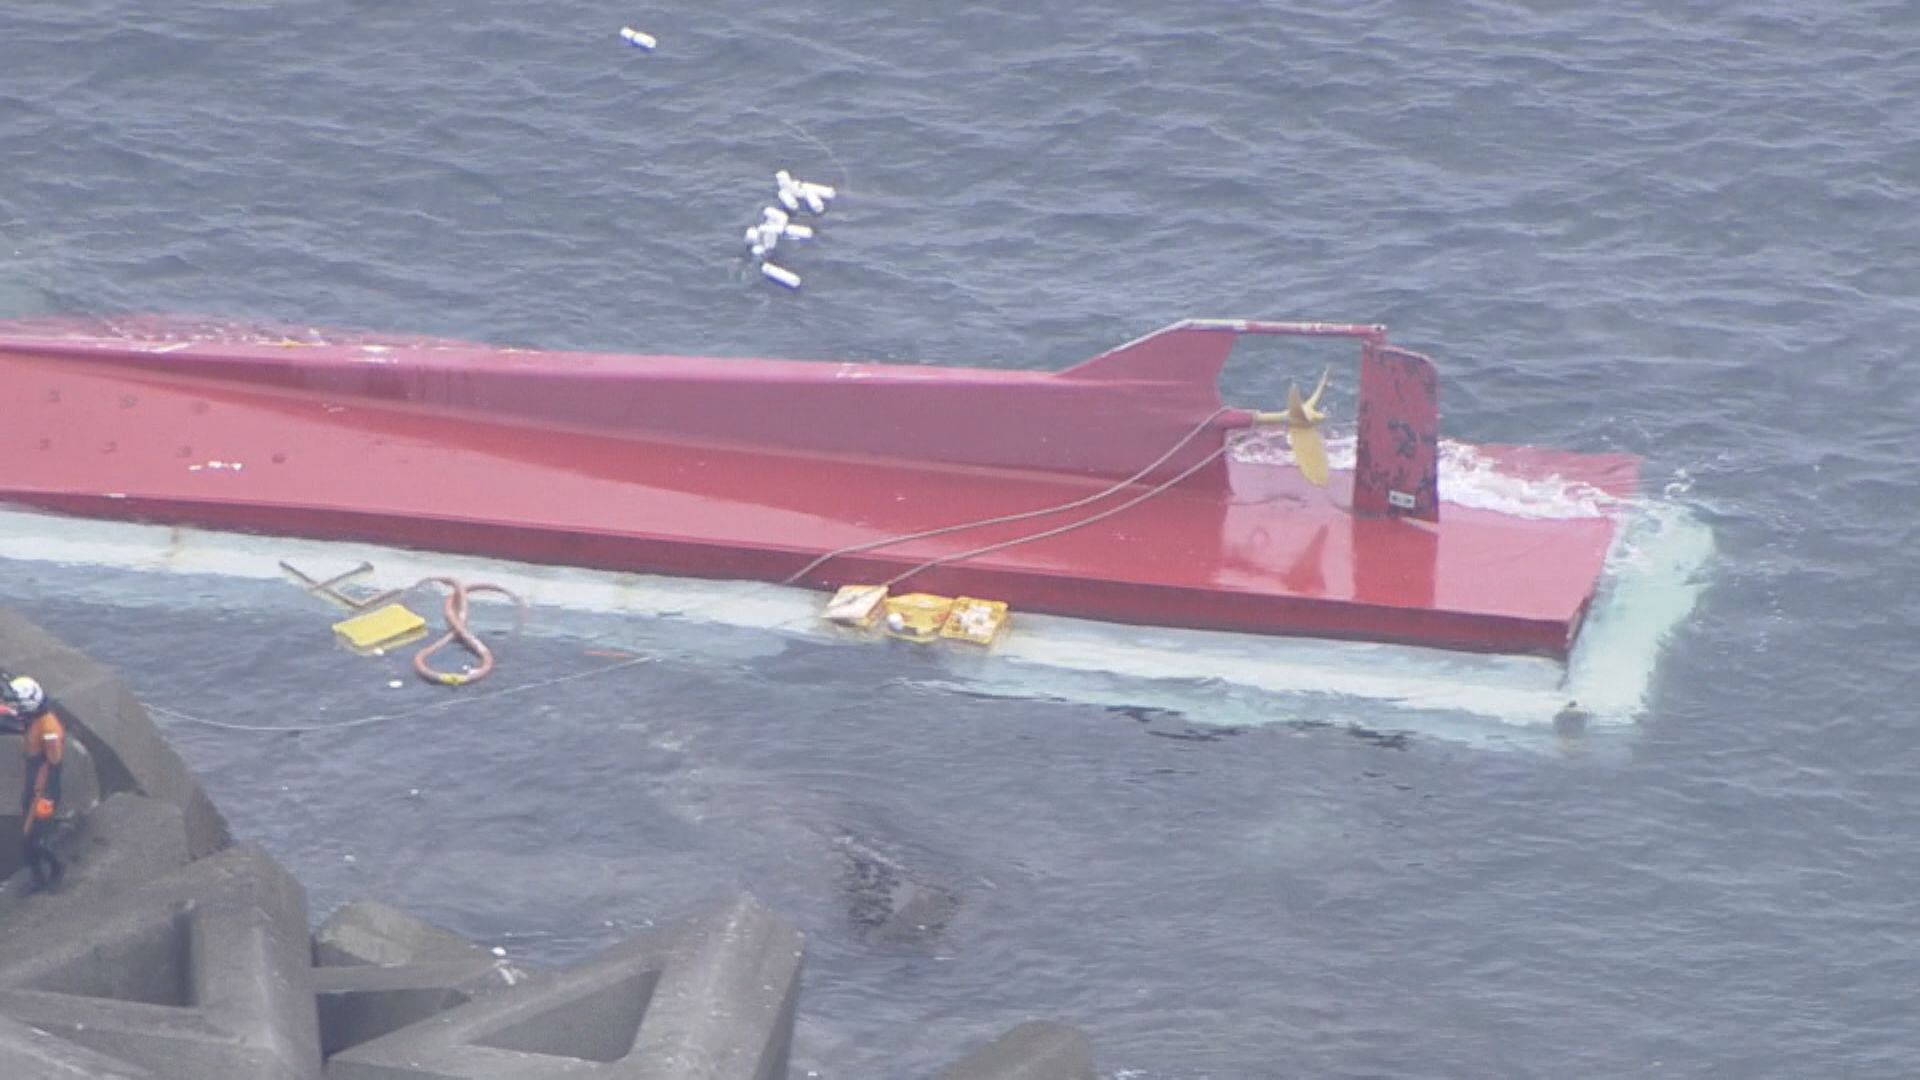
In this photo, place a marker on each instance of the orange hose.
(457, 630)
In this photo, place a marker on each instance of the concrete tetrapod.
(116, 846)
(28, 1053)
(169, 954)
(710, 999)
(378, 969)
(1039, 1050)
(201, 972)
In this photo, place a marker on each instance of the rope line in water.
(447, 703)
(846, 178)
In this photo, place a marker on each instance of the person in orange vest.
(24, 702)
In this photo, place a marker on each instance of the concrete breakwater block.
(127, 750)
(366, 932)
(201, 972)
(170, 954)
(27, 1053)
(1039, 1050)
(358, 1003)
(709, 999)
(114, 847)
(378, 969)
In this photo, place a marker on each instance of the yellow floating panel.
(857, 605)
(976, 621)
(917, 616)
(381, 628)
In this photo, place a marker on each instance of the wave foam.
(1469, 477)
(1210, 677)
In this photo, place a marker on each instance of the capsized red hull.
(753, 468)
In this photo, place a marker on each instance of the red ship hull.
(753, 468)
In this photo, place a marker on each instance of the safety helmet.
(26, 694)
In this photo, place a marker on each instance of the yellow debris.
(857, 605)
(976, 621)
(917, 616)
(382, 628)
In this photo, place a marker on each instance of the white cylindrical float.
(780, 274)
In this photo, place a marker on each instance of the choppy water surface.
(1684, 231)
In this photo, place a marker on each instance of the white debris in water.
(637, 39)
(776, 223)
(394, 684)
(780, 274)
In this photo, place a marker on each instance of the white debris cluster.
(777, 223)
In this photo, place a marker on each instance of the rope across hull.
(753, 469)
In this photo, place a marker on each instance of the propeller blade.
(1296, 410)
(1309, 452)
(1312, 404)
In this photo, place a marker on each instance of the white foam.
(1655, 576)
(1468, 477)
(1210, 677)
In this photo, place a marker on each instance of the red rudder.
(1397, 459)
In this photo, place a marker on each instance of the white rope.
(1004, 519)
(1058, 530)
(465, 699)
